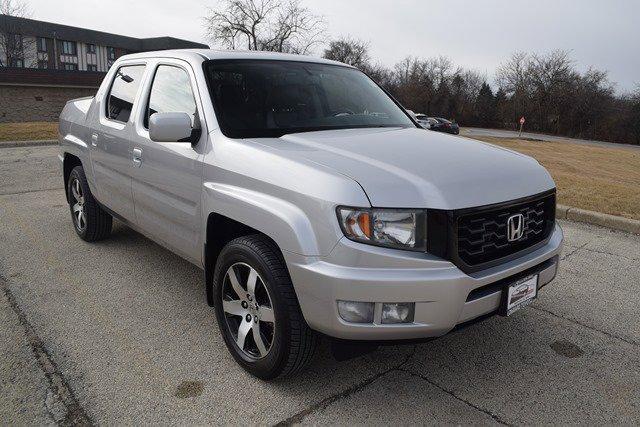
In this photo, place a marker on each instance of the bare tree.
(13, 44)
(350, 51)
(513, 75)
(271, 25)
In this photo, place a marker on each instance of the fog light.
(398, 312)
(356, 311)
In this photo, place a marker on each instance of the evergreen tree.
(486, 106)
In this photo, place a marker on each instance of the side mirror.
(170, 127)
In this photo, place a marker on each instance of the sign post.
(521, 125)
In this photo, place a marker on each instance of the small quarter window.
(171, 93)
(123, 92)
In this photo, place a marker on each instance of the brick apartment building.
(42, 64)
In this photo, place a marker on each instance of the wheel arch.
(221, 230)
(69, 162)
(241, 211)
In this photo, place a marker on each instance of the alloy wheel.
(248, 310)
(79, 215)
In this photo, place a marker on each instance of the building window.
(15, 42)
(91, 48)
(44, 64)
(92, 67)
(111, 52)
(13, 49)
(69, 66)
(69, 48)
(42, 44)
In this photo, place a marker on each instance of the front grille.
(476, 238)
(482, 235)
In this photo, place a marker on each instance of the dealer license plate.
(520, 294)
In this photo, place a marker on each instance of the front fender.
(282, 221)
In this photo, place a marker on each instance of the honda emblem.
(515, 227)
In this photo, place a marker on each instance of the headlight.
(394, 228)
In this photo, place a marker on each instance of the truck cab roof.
(199, 55)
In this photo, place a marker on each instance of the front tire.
(90, 221)
(257, 309)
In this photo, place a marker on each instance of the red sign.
(522, 120)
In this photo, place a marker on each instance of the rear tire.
(287, 343)
(91, 222)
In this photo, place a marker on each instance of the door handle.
(94, 139)
(137, 157)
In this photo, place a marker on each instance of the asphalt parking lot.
(119, 333)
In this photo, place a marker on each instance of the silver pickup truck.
(314, 203)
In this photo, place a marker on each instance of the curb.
(597, 218)
(36, 143)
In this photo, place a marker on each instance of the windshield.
(259, 98)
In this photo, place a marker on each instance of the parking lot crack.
(324, 403)
(611, 254)
(456, 396)
(73, 413)
(584, 325)
(568, 254)
(31, 191)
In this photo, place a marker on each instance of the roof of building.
(36, 28)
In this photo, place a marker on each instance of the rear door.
(167, 185)
(111, 146)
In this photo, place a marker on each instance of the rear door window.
(123, 92)
(171, 93)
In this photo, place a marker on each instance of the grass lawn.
(599, 179)
(28, 131)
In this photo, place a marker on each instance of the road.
(119, 333)
(501, 133)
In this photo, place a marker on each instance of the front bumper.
(444, 296)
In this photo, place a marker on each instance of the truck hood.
(416, 168)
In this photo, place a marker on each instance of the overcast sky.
(474, 34)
